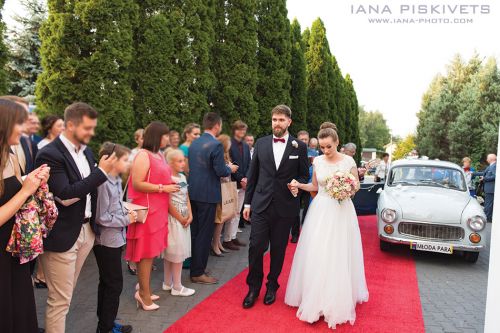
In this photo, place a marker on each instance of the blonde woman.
(191, 132)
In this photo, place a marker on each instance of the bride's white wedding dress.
(328, 276)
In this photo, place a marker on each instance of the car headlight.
(388, 215)
(476, 223)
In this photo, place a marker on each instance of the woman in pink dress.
(149, 185)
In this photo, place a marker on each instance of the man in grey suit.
(488, 177)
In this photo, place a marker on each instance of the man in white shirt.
(382, 168)
(250, 140)
(74, 179)
(278, 159)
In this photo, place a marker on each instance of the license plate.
(432, 247)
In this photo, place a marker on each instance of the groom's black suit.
(273, 207)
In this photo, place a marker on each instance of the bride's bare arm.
(310, 187)
(354, 172)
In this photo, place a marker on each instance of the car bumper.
(458, 247)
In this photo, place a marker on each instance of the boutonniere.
(295, 144)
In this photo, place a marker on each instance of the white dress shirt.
(381, 170)
(43, 143)
(279, 149)
(82, 164)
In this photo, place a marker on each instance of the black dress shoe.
(214, 254)
(121, 328)
(237, 242)
(39, 284)
(249, 300)
(295, 239)
(41, 330)
(270, 297)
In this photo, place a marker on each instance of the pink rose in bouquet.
(341, 186)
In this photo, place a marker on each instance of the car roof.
(422, 162)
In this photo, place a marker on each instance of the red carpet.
(394, 304)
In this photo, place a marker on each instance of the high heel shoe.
(132, 271)
(213, 253)
(145, 307)
(153, 296)
(223, 250)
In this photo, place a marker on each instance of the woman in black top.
(17, 302)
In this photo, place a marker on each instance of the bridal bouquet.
(341, 186)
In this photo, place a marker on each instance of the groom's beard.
(279, 132)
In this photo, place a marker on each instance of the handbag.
(229, 205)
(142, 211)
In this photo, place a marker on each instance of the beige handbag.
(142, 211)
(229, 205)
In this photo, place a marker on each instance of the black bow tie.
(279, 140)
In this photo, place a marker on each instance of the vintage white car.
(426, 205)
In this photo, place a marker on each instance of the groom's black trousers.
(267, 227)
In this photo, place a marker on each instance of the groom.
(276, 161)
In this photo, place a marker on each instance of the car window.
(427, 176)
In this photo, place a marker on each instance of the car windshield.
(417, 175)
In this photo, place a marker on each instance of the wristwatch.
(160, 188)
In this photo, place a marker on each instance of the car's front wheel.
(385, 246)
(471, 256)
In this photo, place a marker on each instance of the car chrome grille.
(431, 231)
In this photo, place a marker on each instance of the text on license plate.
(431, 247)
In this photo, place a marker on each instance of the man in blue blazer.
(30, 150)
(488, 177)
(74, 179)
(206, 166)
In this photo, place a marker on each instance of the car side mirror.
(380, 190)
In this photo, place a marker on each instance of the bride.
(328, 276)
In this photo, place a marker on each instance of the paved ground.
(452, 291)
(82, 317)
(453, 294)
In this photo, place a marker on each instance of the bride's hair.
(328, 124)
(328, 133)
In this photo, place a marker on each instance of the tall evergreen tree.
(336, 98)
(298, 92)
(305, 39)
(3, 54)
(273, 57)
(353, 116)
(318, 64)
(87, 51)
(24, 42)
(234, 62)
(192, 34)
(154, 82)
(441, 106)
(479, 104)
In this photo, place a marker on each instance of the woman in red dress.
(150, 185)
